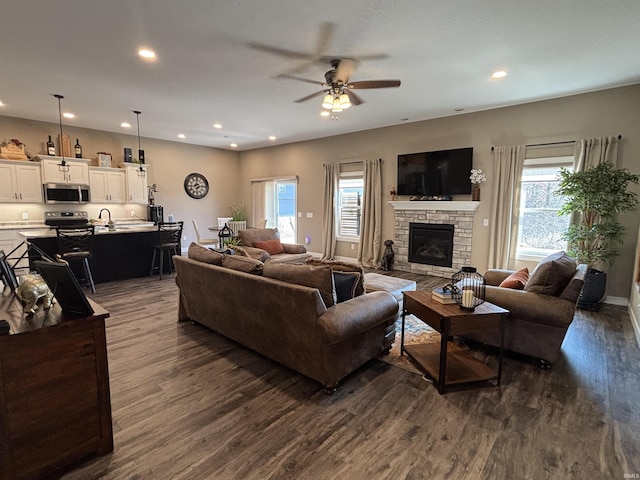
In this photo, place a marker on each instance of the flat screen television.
(65, 287)
(434, 174)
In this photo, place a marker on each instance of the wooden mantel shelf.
(467, 206)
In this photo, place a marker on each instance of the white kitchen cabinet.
(108, 185)
(77, 170)
(136, 183)
(20, 182)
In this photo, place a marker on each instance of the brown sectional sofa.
(291, 252)
(297, 325)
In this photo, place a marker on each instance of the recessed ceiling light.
(147, 54)
(125, 125)
(324, 113)
(272, 137)
(182, 135)
(233, 145)
(68, 115)
(217, 125)
(499, 74)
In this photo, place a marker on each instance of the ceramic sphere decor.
(196, 185)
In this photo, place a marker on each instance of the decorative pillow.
(319, 277)
(203, 254)
(552, 274)
(346, 283)
(242, 264)
(273, 247)
(338, 266)
(517, 280)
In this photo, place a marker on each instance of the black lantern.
(469, 291)
(223, 234)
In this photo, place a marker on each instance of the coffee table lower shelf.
(462, 367)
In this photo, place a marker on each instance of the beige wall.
(596, 114)
(589, 115)
(169, 163)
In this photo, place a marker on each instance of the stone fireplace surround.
(457, 213)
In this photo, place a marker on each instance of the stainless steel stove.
(67, 219)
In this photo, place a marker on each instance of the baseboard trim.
(635, 323)
(621, 301)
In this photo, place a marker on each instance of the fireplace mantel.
(435, 205)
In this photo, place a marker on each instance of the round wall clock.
(196, 185)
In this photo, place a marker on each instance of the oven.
(66, 193)
(66, 219)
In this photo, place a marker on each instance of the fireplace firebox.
(431, 244)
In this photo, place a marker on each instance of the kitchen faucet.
(109, 223)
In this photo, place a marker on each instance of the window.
(274, 200)
(540, 227)
(350, 189)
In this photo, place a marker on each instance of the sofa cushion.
(243, 264)
(203, 254)
(345, 283)
(319, 277)
(251, 235)
(552, 274)
(273, 246)
(517, 280)
(338, 266)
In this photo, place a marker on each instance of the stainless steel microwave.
(66, 193)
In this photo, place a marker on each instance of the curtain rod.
(349, 163)
(548, 144)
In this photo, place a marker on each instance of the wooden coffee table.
(448, 364)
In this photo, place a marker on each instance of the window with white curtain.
(275, 202)
(349, 206)
(540, 227)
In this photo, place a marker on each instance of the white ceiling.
(207, 71)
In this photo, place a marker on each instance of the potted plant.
(238, 212)
(595, 197)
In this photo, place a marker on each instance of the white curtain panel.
(331, 172)
(508, 162)
(371, 222)
(590, 152)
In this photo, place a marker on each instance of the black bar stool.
(74, 245)
(168, 239)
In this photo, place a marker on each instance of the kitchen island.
(119, 254)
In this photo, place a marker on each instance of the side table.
(447, 364)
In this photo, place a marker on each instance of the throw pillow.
(338, 266)
(319, 277)
(552, 274)
(346, 283)
(242, 264)
(273, 247)
(203, 254)
(517, 280)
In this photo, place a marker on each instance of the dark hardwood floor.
(189, 404)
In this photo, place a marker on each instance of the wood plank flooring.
(189, 404)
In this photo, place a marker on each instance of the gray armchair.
(537, 322)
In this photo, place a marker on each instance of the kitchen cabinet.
(108, 185)
(136, 176)
(77, 171)
(20, 182)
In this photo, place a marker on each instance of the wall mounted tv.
(435, 174)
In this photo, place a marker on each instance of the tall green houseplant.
(596, 195)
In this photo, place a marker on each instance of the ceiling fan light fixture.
(336, 105)
(327, 101)
(344, 101)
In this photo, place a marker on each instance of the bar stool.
(74, 245)
(168, 239)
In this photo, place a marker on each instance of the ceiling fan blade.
(301, 79)
(327, 30)
(355, 99)
(309, 97)
(374, 84)
(345, 69)
(283, 52)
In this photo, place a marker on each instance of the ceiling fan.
(337, 89)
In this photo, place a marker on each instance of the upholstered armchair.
(264, 244)
(540, 312)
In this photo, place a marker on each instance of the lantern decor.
(224, 234)
(469, 288)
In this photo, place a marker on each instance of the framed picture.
(104, 159)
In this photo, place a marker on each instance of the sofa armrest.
(347, 319)
(495, 276)
(294, 248)
(532, 307)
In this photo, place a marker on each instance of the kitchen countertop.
(100, 230)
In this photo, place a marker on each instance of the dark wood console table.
(55, 407)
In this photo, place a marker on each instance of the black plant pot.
(593, 291)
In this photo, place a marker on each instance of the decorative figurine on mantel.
(477, 177)
(387, 259)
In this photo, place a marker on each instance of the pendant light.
(63, 165)
(141, 170)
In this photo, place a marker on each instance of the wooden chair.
(74, 245)
(167, 242)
